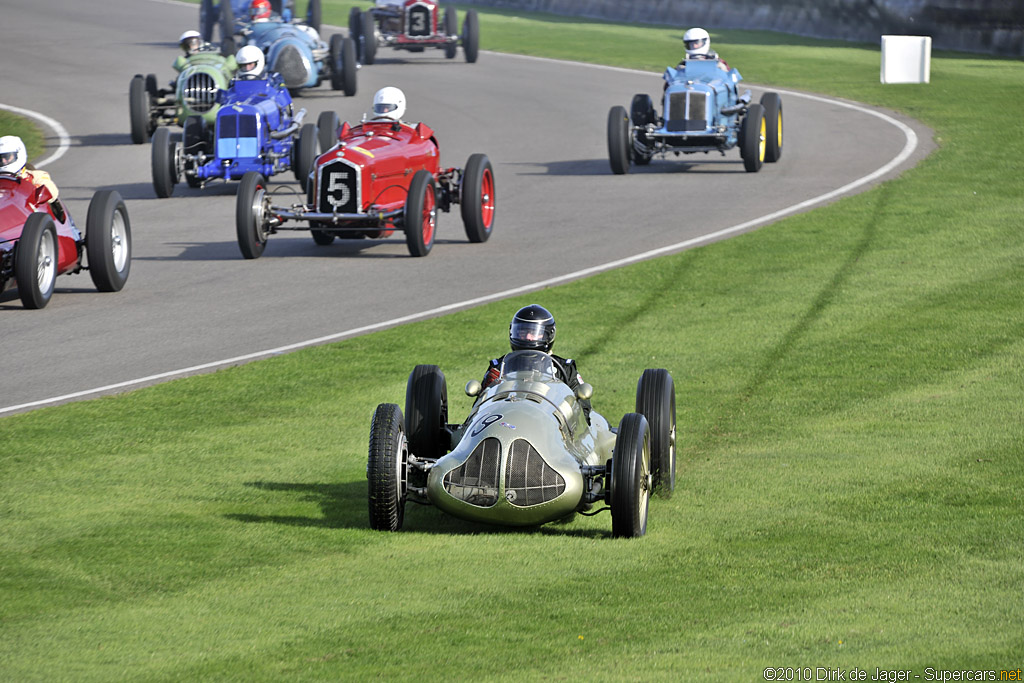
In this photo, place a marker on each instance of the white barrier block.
(906, 59)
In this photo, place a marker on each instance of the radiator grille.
(528, 479)
(200, 92)
(476, 480)
(687, 111)
(419, 24)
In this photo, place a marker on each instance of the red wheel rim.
(429, 215)
(487, 199)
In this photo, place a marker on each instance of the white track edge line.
(62, 134)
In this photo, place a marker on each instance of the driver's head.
(250, 62)
(190, 42)
(389, 103)
(533, 327)
(697, 42)
(260, 10)
(13, 155)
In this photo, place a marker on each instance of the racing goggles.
(695, 44)
(384, 107)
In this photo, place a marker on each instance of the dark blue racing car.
(256, 130)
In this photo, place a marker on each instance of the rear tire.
(164, 164)
(207, 18)
(368, 38)
(138, 106)
(227, 20)
(250, 215)
(426, 411)
(314, 14)
(35, 261)
(630, 492)
(618, 140)
(108, 241)
(387, 469)
(772, 104)
(420, 222)
(753, 132)
(642, 113)
(656, 401)
(471, 36)
(322, 237)
(477, 198)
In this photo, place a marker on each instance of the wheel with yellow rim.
(753, 133)
(772, 104)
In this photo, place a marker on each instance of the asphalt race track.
(192, 302)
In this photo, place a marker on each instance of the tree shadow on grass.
(344, 506)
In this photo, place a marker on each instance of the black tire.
(656, 401)
(355, 24)
(314, 15)
(152, 85)
(618, 140)
(451, 28)
(306, 153)
(471, 36)
(641, 113)
(426, 411)
(630, 493)
(327, 125)
(35, 260)
(752, 138)
(322, 237)
(228, 46)
(227, 20)
(250, 217)
(343, 64)
(387, 469)
(208, 15)
(420, 219)
(367, 38)
(108, 241)
(165, 170)
(138, 109)
(772, 104)
(477, 198)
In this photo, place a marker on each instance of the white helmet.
(190, 42)
(389, 103)
(250, 62)
(697, 42)
(13, 155)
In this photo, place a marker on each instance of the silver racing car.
(527, 454)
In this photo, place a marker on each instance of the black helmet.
(533, 327)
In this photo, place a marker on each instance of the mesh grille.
(419, 22)
(687, 111)
(339, 188)
(291, 66)
(476, 480)
(528, 479)
(200, 92)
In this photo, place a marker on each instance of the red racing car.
(39, 241)
(378, 177)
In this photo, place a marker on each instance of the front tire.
(477, 198)
(138, 109)
(420, 219)
(108, 241)
(630, 492)
(387, 469)
(306, 155)
(426, 411)
(250, 215)
(164, 163)
(471, 36)
(343, 64)
(753, 138)
(368, 38)
(451, 28)
(35, 261)
(772, 104)
(618, 140)
(314, 15)
(656, 401)
(207, 18)
(641, 113)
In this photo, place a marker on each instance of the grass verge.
(850, 412)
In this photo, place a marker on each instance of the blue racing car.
(256, 130)
(703, 112)
(232, 15)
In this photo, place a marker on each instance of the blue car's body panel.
(292, 50)
(252, 113)
(696, 104)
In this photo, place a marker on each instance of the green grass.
(850, 410)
